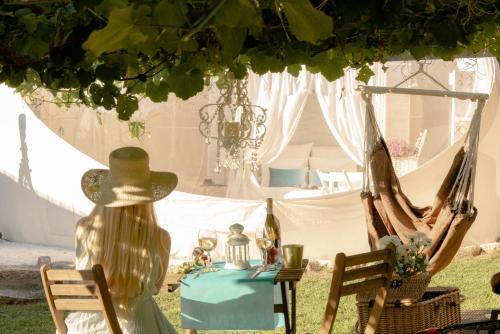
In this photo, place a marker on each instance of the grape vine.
(110, 53)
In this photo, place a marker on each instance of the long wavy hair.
(122, 240)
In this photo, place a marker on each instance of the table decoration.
(237, 249)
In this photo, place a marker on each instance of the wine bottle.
(273, 231)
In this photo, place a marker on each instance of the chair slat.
(363, 286)
(73, 289)
(378, 269)
(78, 304)
(379, 255)
(69, 275)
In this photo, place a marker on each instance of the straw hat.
(128, 180)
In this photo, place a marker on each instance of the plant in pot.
(410, 277)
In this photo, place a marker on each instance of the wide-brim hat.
(129, 181)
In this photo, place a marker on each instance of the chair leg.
(57, 316)
(334, 295)
(378, 307)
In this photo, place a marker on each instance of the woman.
(122, 234)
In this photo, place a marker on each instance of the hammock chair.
(389, 211)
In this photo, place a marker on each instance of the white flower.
(389, 239)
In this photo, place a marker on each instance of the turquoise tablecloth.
(230, 300)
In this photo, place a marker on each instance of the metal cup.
(292, 256)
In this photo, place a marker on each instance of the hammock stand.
(388, 210)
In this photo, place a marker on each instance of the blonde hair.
(121, 239)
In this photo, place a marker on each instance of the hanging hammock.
(389, 211)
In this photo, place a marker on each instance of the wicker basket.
(407, 290)
(439, 307)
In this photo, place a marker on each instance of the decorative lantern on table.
(237, 248)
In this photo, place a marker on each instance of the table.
(286, 276)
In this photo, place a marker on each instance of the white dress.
(144, 318)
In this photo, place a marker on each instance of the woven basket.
(407, 290)
(439, 307)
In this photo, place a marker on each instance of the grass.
(470, 275)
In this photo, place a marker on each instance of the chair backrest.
(78, 290)
(419, 144)
(334, 179)
(357, 273)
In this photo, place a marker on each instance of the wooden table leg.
(294, 307)
(285, 308)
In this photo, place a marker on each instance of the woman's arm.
(164, 252)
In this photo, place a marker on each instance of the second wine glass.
(264, 243)
(207, 239)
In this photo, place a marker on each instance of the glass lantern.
(237, 248)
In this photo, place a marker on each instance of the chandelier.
(236, 125)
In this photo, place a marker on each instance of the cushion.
(327, 152)
(314, 179)
(293, 156)
(287, 177)
(332, 164)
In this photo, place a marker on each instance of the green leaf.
(157, 92)
(239, 70)
(137, 128)
(169, 14)
(237, 14)
(231, 41)
(420, 51)
(126, 105)
(35, 48)
(306, 22)
(294, 69)
(30, 21)
(114, 36)
(185, 85)
(364, 74)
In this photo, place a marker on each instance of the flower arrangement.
(398, 148)
(410, 257)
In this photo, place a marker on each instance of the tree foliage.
(109, 53)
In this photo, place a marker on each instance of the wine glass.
(264, 243)
(207, 239)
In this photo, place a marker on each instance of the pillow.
(287, 177)
(281, 164)
(293, 156)
(327, 152)
(332, 164)
(314, 179)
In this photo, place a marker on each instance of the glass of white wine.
(207, 239)
(264, 243)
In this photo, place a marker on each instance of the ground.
(471, 275)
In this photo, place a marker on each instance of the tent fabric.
(390, 212)
(59, 151)
(343, 109)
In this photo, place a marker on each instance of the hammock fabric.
(389, 211)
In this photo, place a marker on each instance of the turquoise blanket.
(230, 300)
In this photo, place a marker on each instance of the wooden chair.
(78, 290)
(372, 275)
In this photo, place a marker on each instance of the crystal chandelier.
(237, 124)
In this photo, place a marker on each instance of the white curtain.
(344, 109)
(284, 96)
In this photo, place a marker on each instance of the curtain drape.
(284, 96)
(344, 109)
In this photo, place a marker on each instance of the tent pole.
(426, 92)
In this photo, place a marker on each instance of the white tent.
(41, 198)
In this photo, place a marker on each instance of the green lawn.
(471, 275)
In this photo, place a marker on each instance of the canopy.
(45, 209)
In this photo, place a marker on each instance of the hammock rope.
(389, 211)
(463, 188)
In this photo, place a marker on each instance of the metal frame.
(425, 92)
